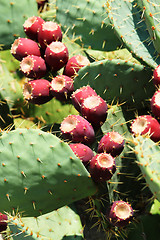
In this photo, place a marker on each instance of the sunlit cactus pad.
(63, 222)
(39, 173)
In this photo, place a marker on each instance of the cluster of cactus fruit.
(104, 148)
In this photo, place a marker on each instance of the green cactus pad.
(127, 170)
(87, 23)
(118, 80)
(151, 16)
(10, 89)
(13, 15)
(54, 225)
(39, 173)
(126, 19)
(148, 153)
(52, 112)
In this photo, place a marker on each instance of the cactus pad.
(119, 80)
(39, 173)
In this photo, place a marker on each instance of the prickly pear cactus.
(59, 224)
(147, 153)
(40, 173)
(16, 12)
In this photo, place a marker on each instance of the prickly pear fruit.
(94, 109)
(37, 91)
(74, 64)
(155, 104)
(62, 87)
(82, 151)
(23, 47)
(49, 32)
(33, 67)
(146, 124)
(111, 142)
(102, 167)
(121, 213)
(80, 94)
(3, 222)
(56, 55)
(31, 27)
(77, 129)
(156, 76)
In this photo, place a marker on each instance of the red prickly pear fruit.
(31, 27)
(102, 167)
(22, 47)
(77, 129)
(94, 109)
(62, 87)
(37, 91)
(74, 64)
(120, 214)
(82, 151)
(49, 32)
(33, 67)
(155, 104)
(146, 124)
(3, 222)
(56, 55)
(80, 94)
(156, 76)
(111, 142)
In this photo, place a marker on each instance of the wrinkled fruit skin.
(61, 87)
(80, 95)
(149, 125)
(111, 142)
(3, 222)
(121, 213)
(102, 167)
(77, 129)
(23, 47)
(37, 91)
(82, 151)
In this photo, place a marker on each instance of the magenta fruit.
(146, 124)
(3, 222)
(62, 87)
(121, 213)
(156, 76)
(82, 151)
(31, 27)
(77, 129)
(74, 64)
(37, 91)
(111, 142)
(56, 55)
(80, 94)
(102, 167)
(155, 104)
(94, 109)
(22, 47)
(33, 67)
(48, 33)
